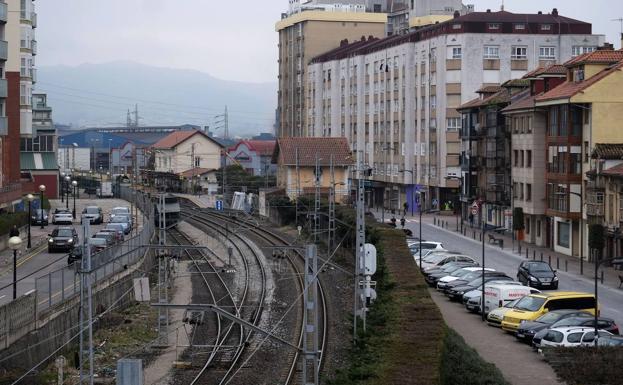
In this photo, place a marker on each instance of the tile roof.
(608, 151)
(509, 17)
(489, 89)
(198, 171)
(525, 103)
(604, 56)
(616, 171)
(261, 147)
(568, 89)
(554, 69)
(500, 97)
(177, 137)
(308, 148)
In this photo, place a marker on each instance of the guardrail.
(59, 285)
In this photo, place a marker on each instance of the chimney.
(555, 12)
(621, 40)
(456, 14)
(488, 11)
(540, 12)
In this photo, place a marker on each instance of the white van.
(498, 295)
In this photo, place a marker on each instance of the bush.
(460, 364)
(587, 365)
(8, 220)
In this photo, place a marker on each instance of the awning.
(38, 161)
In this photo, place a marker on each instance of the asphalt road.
(37, 259)
(610, 299)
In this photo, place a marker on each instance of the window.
(197, 161)
(563, 234)
(492, 52)
(456, 53)
(528, 192)
(574, 338)
(493, 26)
(521, 158)
(454, 124)
(519, 53)
(456, 26)
(578, 50)
(546, 27)
(433, 102)
(521, 194)
(547, 52)
(553, 121)
(520, 26)
(515, 158)
(538, 228)
(529, 158)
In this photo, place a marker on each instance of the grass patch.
(460, 364)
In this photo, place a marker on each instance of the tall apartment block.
(395, 99)
(307, 31)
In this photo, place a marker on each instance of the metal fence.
(57, 286)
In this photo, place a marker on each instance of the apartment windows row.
(522, 191)
(564, 121)
(519, 52)
(522, 125)
(522, 158)
(42, 143)
(565, 160)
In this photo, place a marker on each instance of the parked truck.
(105, 190)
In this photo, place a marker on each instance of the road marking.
(47, 299)
(23, 260)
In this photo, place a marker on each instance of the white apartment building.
(395, 99)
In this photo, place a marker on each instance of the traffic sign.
(219, 205)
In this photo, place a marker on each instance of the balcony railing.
(4, 50)
(3, 88)
(4, 126)
(3, 12)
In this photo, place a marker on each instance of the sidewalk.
(557, 260)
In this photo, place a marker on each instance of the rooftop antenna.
(620, 20)
(502, 6)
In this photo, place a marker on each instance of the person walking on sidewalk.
(402, 222)
(405, 206)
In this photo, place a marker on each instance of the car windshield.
(549, 318)
(39, 211)
(539, 267)
(571, 321)
(97, 241)
(471, 275)
(512, 303)
(460, 273)
(120, 210)
(64, 233)
(92, 210)
(610, 341)
(529, 303)
(120, 219)
(435, 258)
(451, 268)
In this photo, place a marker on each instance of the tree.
(596, 238)
(518, 223)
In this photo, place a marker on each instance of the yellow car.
(533, 306)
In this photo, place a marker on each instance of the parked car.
(90, 190)
(610, 341)
(120, 211)
(455, 293)
(75, 254)
(116, 236)
(94, 214)
(571, 337)
(441, 259)
(603, 323)
(537, 274)
(38, 216)
(497, 295)
(465, 272)
(477, 293)
(110, 238)
(528, 329)
(494, 318)
(118, 227)
(434, 275)
(97, 244)
(533, 306)
(426, 245)
(62, 239)
(122, 220)
(62, 218)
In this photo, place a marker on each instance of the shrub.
(8, 220)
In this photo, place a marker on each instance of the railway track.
(249, 306)
(271, 238)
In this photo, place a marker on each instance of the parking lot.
(517, 361)
(37, 261)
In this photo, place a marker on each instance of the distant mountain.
(100, 95)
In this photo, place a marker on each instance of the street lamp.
(67, 187)
(421, 204)
(484, 229)
(62, 186)
(30, 198)
(412, 184)
(460, 179)
(581, 227)
(41, 190)
(15, 243)
(75, 186)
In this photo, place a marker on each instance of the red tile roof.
(554, 69)
(177, 137)
(310, 148)
(568, 89)
(525, 103)
(195, 172)
(261, 147)
(608, 151)
(616, 171)
(489, 89)
(604, 56)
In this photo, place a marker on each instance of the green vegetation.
(237, 178)
(587, 365)
(8, 220)
(461, 364)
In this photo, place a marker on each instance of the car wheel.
(50, 251)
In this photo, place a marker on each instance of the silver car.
(124, 221)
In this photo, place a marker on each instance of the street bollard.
(501, 244)
(550, 260)
(534, 253)
(527, 255)
(557, 263)
(602, 277)
(474, 235)
(541, 257)
(566, 265)
(435, 221)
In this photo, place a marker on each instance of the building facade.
(185, 150)
(580, 113)
(395, 99)
(255, 156)
(304, 33)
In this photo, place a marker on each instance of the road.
(37, 260)
(610, 299)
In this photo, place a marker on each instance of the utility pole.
(192, 166)
(361, 240)
(317, 200)
(298, 185)
(310, 318)
(129, 119)
(136, 115)
(331, 236)
(163, 273)
(226, 131)
(86, 302)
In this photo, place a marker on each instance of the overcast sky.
(232, 40)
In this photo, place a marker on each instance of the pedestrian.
(393, 220)
(471, 220)
(14, 231)
(406, 208)
(402, 222)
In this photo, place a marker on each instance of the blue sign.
(219, 205)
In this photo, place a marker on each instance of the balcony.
(4, 126)
(3, 12)
(4, 49)
(3, 88)
(33, 47)
(33, 19)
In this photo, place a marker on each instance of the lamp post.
(41, 191)
(421, 206)
(412, 184)
(484, 229)
(30, 198)
(75, 186)
(580, 195)
(460, 179)
(67, 187)
(15, 243)
(62, 186)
